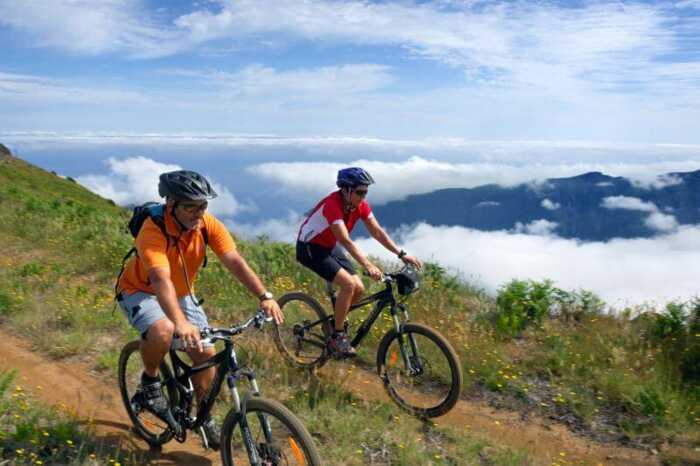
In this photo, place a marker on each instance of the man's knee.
(359, 286)
(346, 282)
(198, 357)
(161, 331)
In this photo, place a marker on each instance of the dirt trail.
(548, 443)
(73, 386)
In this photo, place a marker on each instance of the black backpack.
(156, 212)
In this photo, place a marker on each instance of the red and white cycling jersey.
(317, 226)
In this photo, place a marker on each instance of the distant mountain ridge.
(592, 206)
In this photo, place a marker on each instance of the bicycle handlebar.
(388, 277)
(212, 334)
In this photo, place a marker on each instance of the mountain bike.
(419, 368)
(268, 432)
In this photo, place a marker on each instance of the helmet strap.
(346, 192)
(177, 220)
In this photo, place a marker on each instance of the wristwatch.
(401, 254)
(265, 296)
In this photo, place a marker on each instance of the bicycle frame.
(382, 299)
(227, 368)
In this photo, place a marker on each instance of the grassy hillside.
(630, 378)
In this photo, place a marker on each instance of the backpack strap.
(156, 214)
(158, 217)
(121, 272)
(205, 235)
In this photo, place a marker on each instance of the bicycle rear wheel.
(149, 427)
(431, 385)
(278, 436)
(301, 344)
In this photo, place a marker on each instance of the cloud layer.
(396, 180)
(630, 271)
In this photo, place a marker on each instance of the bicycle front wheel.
(420, 370)
(300, 342)
(149, 427)
(277, 436)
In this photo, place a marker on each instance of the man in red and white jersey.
(330, 223)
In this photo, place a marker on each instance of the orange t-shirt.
(154, 250)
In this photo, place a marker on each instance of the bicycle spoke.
(420, 370)
(301, 337)
(277, 435)
(147, 425)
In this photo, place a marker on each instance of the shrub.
(520, 304)
(690, 362)
(670, 323)
(576, 305)
(676, 331)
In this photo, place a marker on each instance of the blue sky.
(584, 70)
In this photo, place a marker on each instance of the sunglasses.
(191, 208)
(360, 192)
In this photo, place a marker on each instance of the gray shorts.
(143, 310)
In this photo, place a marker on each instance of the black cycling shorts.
(325, 262)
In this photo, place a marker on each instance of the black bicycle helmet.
(185, 185)
(353, 177)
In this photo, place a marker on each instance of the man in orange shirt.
(155, 291)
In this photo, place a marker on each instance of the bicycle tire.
(299, 308)
(153, 432)
(296, 447)
(424, 392)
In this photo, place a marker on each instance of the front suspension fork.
(409, 355)
(241, 408)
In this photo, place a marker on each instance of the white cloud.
(656, 220)
(128, 181)
(396, 180)
(134, 180)
(262, 81)
(688, 4)
(664, 181)
(597, 46)
(661, 222)
(622, 271)
(540, 227)
(550, 205)
(628, 203)
(281, 229)
(39, 90)
(89, 27)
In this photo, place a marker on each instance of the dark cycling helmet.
(353, 177)
(185, 184)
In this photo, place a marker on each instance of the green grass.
(534, 346)
(34, 434)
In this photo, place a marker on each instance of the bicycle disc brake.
(269, 454)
